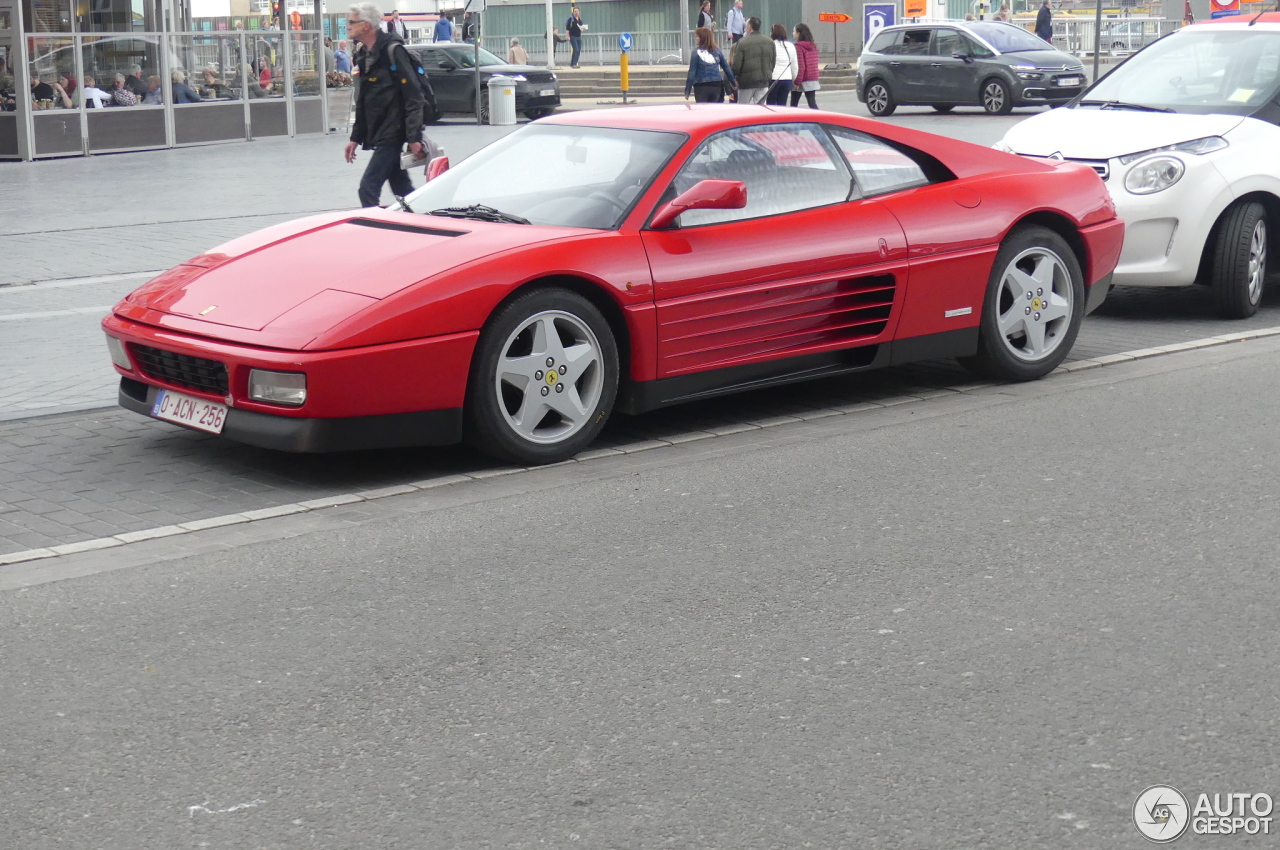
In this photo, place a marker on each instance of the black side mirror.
(446, 65)
(965, 56)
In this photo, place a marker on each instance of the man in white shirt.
(94, 97)
(395, 26)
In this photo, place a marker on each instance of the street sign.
(875, 17)
(914, 8)
(624, 42)
(1224, 8)
(834, 17)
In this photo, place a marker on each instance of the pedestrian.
(342, 58)
(1044, 22)
(707, 18)
(395, 26)
(1003, 14)
(709, 72)
(330, 56)
(807, 80)
(468, 28)
(517, 54)
(735, 26)
(753, 60)
(388, 105)
(786, 65)
(443, 30)
(574, 27)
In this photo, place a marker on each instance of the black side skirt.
(639, 396)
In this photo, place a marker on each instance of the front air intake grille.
(539, 77)
(181, 370)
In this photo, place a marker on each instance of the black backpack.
(429, 111)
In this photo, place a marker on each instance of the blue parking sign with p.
(624, 42)
(875, 17)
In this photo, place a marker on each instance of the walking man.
(753, 61)
(395, 26)
(443, 30)
(388, 104)
(1044, 22)
(734, 24)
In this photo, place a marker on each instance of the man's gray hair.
(370, 12)
(136, 70)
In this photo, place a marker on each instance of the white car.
(1186, 134)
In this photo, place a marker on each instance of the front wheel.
(880, 102)
(996, 97)
(543, 379)
(1240, 261)
(535, 114)
(1033, 307)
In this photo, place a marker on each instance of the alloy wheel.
(1036, 304)
(549, 377)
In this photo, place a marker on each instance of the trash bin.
(502, 100)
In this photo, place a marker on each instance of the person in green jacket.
(752, 62)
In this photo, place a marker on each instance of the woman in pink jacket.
(807, 80)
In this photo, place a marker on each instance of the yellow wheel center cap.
(552, 377)
(1037, 304)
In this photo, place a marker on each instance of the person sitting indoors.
(60, 96)
(517, 54)
(120, 93)
(255, 87)
(93, 97)
(154, 95)
(212, 87)
(135, 83)
(68, 81)
(40, 91)
(183, 93)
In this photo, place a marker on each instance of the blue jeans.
(575, 41)
(778, 91)
(383, 166)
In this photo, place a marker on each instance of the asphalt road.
(978, 621)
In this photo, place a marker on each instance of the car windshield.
(1006, 38)
(465, 55)
(1197, 70)
(555, 175)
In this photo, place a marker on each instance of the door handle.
(894, 64)
(936, 65)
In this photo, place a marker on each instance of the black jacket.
(388, 99)
(1044, 23)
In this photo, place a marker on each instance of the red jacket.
(807, 53)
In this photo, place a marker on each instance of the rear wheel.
(1239, 266)
(880, 100)
(1033, 307)
(535, 114)
(543, 379)
(943, 107)
(996, 97)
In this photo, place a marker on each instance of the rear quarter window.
(885, 40)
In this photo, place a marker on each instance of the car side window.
(887, 42)
(915, 42)
(946, 42)
(785, 167)
(975, 48)
(877, 168)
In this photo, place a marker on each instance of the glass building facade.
(81, 77)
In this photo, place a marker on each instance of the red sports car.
(621, 260)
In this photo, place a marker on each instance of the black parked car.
(984, 63)
(451, 69)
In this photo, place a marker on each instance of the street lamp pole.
(551, 40)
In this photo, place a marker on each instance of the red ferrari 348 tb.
(621, 260)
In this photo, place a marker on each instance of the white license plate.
(1069, 81)
(546, 92)
(192, 412)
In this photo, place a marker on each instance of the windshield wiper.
(480, 212)
(1119, 104)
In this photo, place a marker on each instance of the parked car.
(990, 64)
(621, 260)
(1128, 36)
(1185, 134)
(451, 68)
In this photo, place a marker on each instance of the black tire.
(1238, 270)
(943, 108)
(995, 96)
(535, 114)
(513, 423)
(484, 107)
(1013, 352)
(880, 102)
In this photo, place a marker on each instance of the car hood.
(1091, 133)
(297, 280)
(510, 70)
(1049, 59)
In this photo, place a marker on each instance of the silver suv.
(982, 63)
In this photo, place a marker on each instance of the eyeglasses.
(351, 23)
